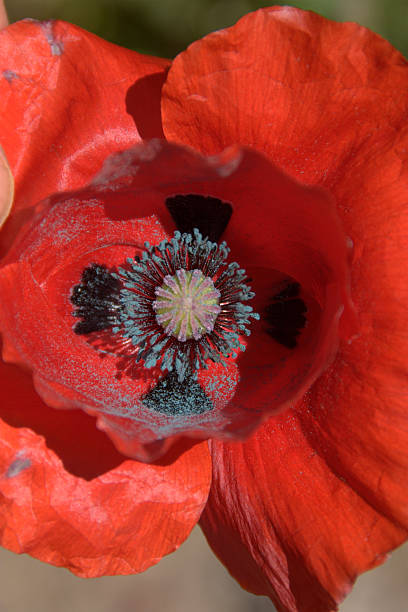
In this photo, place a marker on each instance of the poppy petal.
(335, 467)
(92, 454)
(304, 90)
(281, 227)
(80, 229)
(54, 126)
(292, 522)
(111, 218)
(328, 104)
(121, 522)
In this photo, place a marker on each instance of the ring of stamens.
(187, 304)
(184, 344)
(176, 306)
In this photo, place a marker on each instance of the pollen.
(187, 305)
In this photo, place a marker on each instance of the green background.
(166, 27)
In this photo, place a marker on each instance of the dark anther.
(97, 299)
(178, 398)
(209, 215)
(286, 315)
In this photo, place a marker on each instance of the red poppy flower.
(284, 136)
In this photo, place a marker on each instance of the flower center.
(176, 306)
(187, 304)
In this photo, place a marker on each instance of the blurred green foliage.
(166, 27)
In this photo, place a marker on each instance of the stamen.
(177, 306)
(182, 304)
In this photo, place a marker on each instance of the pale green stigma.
(187, 305)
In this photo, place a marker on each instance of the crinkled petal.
(306, 91)
(332, 499)
(328, 104)
(121, 522)
(108, 221)
(91, 455)
(68, 100)
(291, 520)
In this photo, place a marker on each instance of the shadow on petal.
(146, 93)
(72, 434)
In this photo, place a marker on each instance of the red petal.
(91, 455)
(121, 522)
(300, 236)
(286, 517)
(328, 103)
(306, 91)
(42, 312)
(282, 227)
(332, 497)
(69, 99)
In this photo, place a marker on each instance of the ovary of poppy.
(317, 494)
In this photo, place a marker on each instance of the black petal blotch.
(209, 215)
(173, 397)
(96, 298)
(286, 316)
